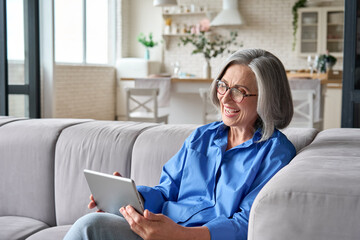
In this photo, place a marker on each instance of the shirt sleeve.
(236, 227)
(168, 188)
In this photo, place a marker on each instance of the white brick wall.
(84, 92)
(268, 26)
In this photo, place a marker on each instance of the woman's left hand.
(151, 226)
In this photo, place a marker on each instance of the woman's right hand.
(92, 203)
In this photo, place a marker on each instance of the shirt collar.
(222, 135)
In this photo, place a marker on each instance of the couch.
(43, 190)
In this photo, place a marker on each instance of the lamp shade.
(162, 3)
(229, 15)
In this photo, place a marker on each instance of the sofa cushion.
(153, 148)
(27, 150)
(104, 146)
(14, 228)
(317, 196)
(53, 233)
(5, 120)
(300, 137)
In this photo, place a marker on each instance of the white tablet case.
(112, 192)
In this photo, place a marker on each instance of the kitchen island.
(186, 103)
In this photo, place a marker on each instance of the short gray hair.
(274, 106)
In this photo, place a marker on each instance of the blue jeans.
(101, 226)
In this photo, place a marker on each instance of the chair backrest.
(303, 101)
(210, 112)
(141, 104)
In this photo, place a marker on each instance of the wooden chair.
(210, 113)
(142, 105)
(303, 101)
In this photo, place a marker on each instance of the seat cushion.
(14, 228)
(53, 233)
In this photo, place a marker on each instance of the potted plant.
(210, 46)
(326, 62)
(298, 4)
(147, 42)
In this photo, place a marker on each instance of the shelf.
(310, 25)
(183, 14)
(335, 40)
(308, 40)
(177, 35)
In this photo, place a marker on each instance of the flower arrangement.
(211, 46)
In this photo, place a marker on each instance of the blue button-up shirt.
(205, 185)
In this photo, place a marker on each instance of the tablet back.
(113, 192)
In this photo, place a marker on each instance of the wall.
(140, 16)
(268, 26)
(84, 92)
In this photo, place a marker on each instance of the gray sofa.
(43, 190)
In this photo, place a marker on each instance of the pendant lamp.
(163, 3)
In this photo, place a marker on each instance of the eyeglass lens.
(235, 94)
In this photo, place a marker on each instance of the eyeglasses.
(235, 94)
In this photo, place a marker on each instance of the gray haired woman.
(207, 189)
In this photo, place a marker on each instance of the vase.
(147, 54)
(207, 69)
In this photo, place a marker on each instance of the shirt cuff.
(153, 199)
(224, 228)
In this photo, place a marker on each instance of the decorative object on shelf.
(148, 43)
(162, 3)
(298, 4)
(326, 62)
(229, 15)
(210, 45)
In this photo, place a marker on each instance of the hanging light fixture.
(163, 3)
(229, 15)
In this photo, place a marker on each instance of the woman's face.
(241, 114)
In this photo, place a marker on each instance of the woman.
(206, 190)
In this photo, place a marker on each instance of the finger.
(92, 204)
(151, 216)
(117, 174)
(92, 198)
(134, 225)
(99, 210)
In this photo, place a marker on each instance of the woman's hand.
(92, 203)
(158, 226)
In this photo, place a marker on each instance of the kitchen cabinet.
(320, 29)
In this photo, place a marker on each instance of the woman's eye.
(241, 90)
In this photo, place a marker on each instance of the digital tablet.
(112, 192)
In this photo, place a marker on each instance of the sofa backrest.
(316, 196)
(153, 148)
(104, 146)
(27, 150)
(300, 137)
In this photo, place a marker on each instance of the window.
(82, 31)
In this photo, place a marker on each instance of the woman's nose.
(226, 96)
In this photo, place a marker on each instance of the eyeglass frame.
(227, 88)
